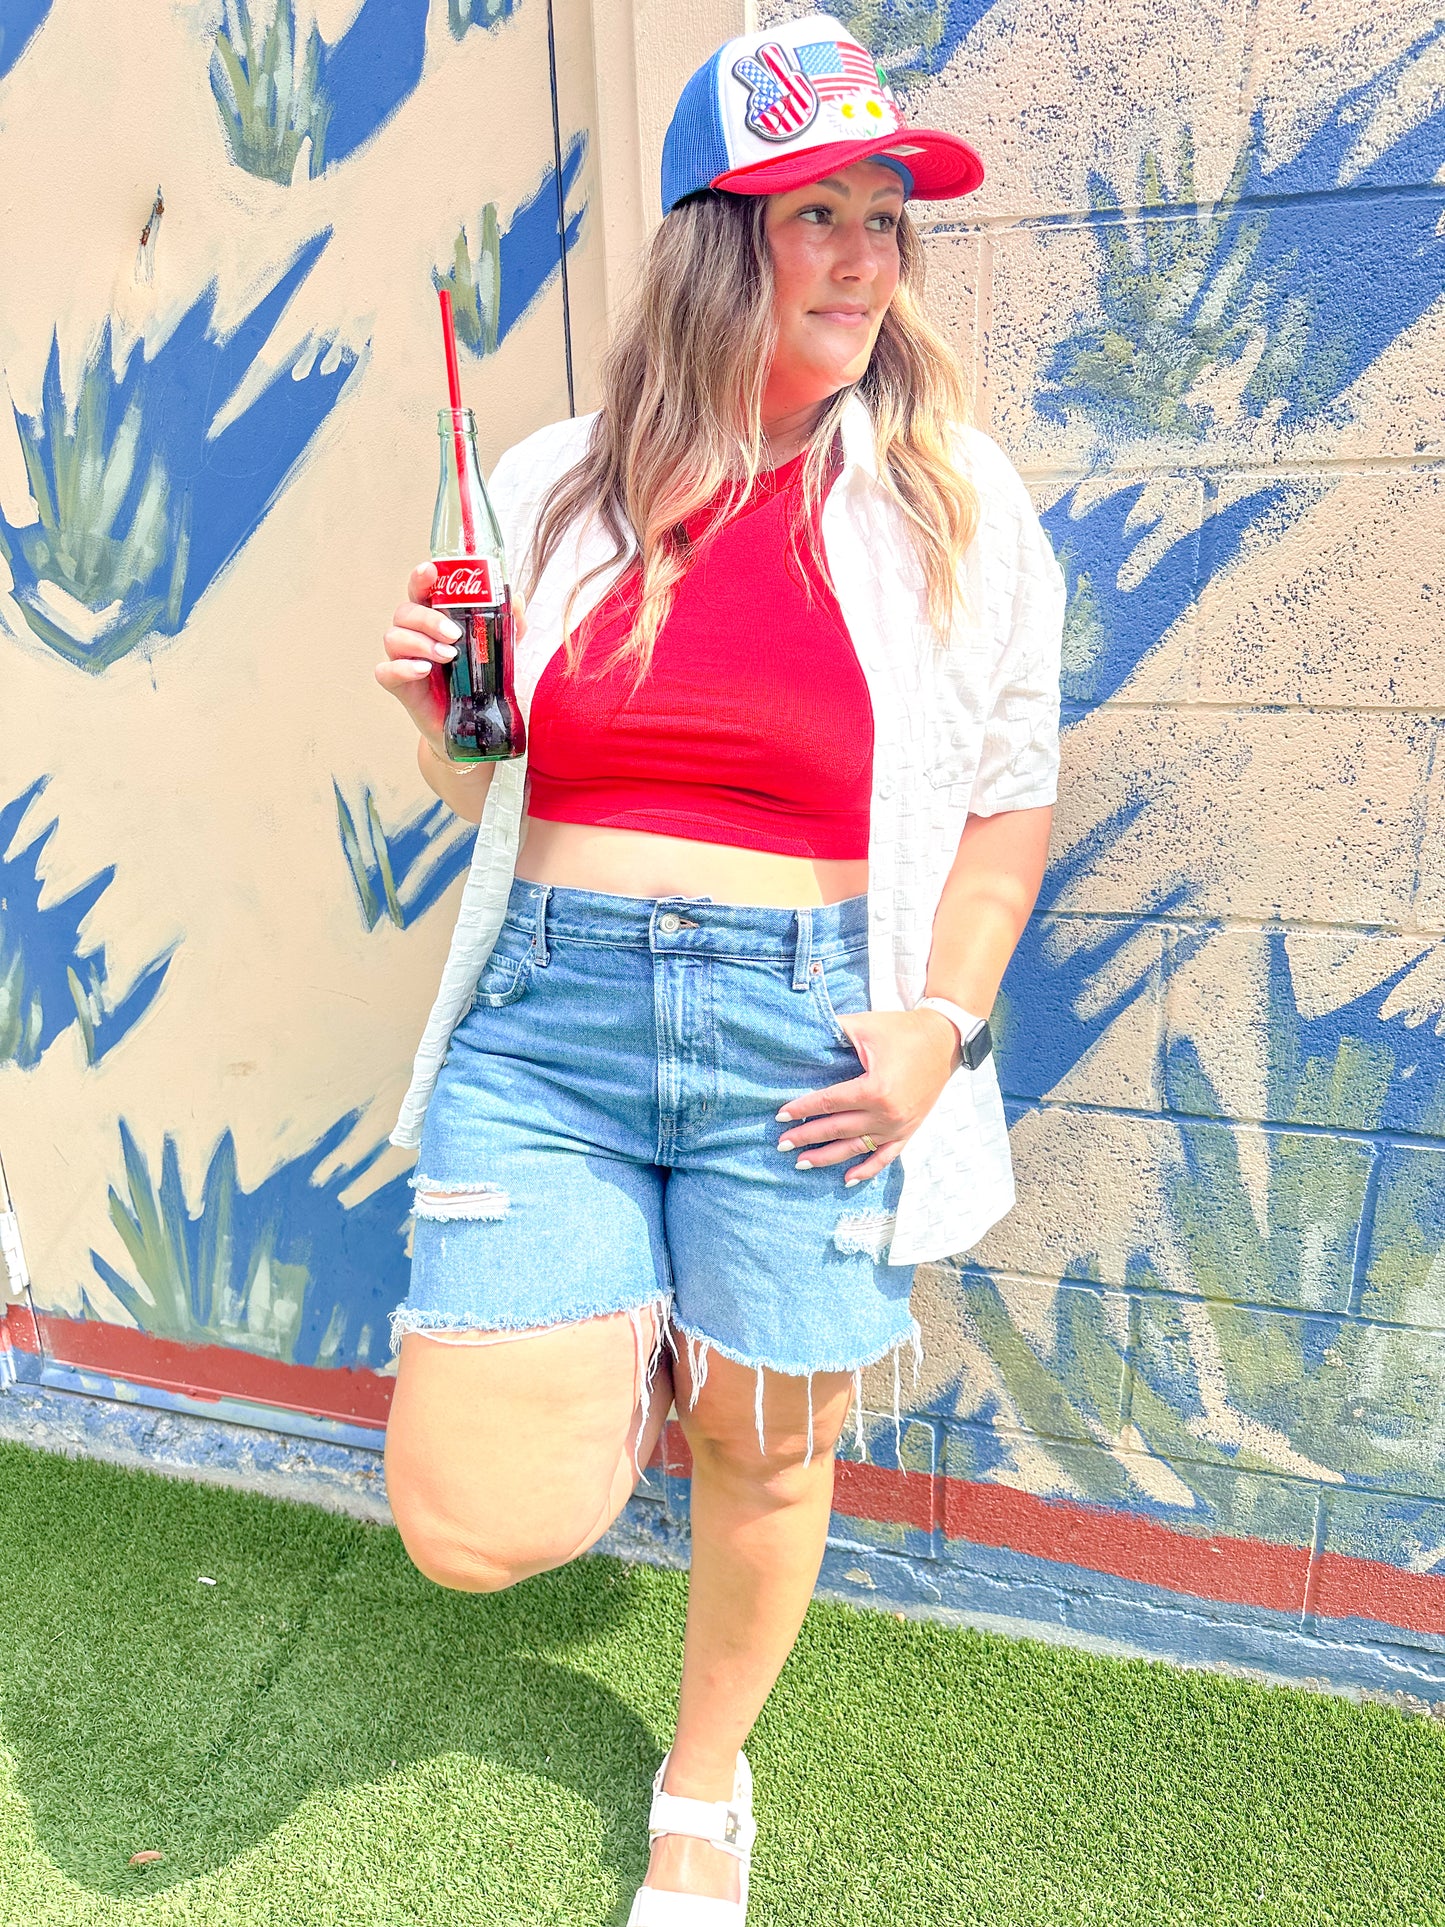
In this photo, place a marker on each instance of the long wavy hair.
(681, 416)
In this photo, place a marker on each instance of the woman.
(791, 679)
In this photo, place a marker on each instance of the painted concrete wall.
(226, 891)
(1196, 1376)
(1188, 1396)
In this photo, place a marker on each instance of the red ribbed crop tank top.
(753, 726)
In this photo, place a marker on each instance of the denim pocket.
(840, 986)
(506, 974)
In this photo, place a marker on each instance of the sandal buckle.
(734, 1823)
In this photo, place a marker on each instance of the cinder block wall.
(1189, 1393)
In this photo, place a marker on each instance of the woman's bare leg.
(759, 1524)
(506, 1460)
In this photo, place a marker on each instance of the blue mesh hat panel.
(695, 150)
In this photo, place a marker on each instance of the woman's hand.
(908, 1057)
(419, 644)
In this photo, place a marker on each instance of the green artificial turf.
(325, 1737)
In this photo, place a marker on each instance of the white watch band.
(963, 1021)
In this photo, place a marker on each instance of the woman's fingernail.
(446, 651)
(414, 668)
(852, 1180)
(803, 1164)
(782, 1116)
(450, 628)
(785, 1144)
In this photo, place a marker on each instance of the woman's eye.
(890, 221)
(824, 213)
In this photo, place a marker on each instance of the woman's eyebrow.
(842, 187)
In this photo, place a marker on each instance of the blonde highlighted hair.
(681, 417)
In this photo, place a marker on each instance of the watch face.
(977, 1047)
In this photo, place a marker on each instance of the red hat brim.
(942, 165)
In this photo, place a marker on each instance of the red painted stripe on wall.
(1248, 1572)
(1349, 1588)
(205, 1371)
(886, 1496)
(1254, 1572)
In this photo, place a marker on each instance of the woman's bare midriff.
(637, 863)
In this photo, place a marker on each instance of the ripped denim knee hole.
(444, 1201)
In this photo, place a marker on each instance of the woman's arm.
(988, 898)
(909, 1055)
(462, 790)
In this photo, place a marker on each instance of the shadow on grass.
(147, 1709)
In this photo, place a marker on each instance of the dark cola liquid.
(483, 721)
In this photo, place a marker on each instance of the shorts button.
(669, 921)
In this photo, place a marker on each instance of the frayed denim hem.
(438, 1324)
(700, 1346)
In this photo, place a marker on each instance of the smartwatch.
(974, 1039)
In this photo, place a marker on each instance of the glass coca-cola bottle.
(483, 721)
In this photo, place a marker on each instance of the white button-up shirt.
(970, 726)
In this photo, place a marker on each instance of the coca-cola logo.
(467, 580)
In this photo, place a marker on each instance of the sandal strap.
(722, 1823)
(655, 1907)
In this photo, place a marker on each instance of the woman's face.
(835, 267)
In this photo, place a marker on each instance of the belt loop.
(539, 934)
(802, 948)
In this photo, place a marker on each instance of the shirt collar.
(855, 426)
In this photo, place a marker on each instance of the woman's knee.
(773, 1443)
(474, 1543)
(475, 1512)
(464, 1560)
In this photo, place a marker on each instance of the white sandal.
(725, 1824)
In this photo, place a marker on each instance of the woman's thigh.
(504, 1460)
(772, 1265)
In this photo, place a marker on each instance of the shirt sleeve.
(522, 477)
(1018, 764)
(506, 492)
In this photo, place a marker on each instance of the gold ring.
(867, 1142)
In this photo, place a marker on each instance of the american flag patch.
(838, 67)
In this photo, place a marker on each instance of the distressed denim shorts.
(602, 1137)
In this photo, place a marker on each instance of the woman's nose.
(854, 260)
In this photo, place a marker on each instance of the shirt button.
(880, 912)
(885, 788)
(669, 921)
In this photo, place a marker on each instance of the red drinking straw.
(454, 390)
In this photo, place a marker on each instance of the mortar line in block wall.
(1172, 1294)
(1120, 1453)
(1135, 472)
(1318, 1539)
(1156, 213)
(1131, 1365)
(983, 336)
(1364, 1236)
(1158, 980)
(1253, 76)
(1205, 707)
(1422, 831)
(1350, 1134)
(1244, 925)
